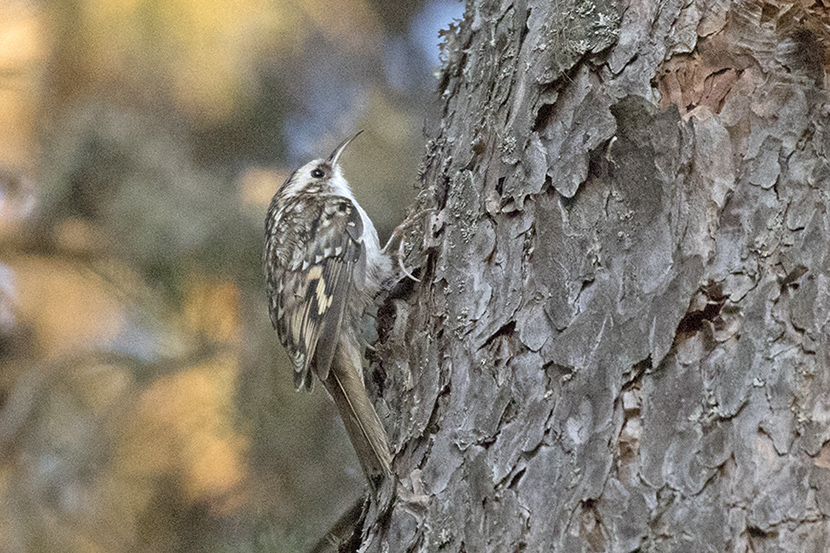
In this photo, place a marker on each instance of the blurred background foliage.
(145, 404)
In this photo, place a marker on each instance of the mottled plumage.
(323, 265)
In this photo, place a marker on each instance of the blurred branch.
(38, 380)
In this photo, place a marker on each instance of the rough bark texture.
(621, 338)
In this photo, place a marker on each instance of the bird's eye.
(317, 173)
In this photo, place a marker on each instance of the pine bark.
(620, 340)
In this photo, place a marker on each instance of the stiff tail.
(345, 385)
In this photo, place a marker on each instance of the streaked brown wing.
(313, 292)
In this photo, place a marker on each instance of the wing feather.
(320, 245)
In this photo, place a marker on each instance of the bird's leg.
(398, 236)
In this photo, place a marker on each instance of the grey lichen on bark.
(620, 339)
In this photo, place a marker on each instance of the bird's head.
(320, 176)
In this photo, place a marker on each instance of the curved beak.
(335, 155)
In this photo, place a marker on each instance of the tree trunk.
(620, 340)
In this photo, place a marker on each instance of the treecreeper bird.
(323, 267)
